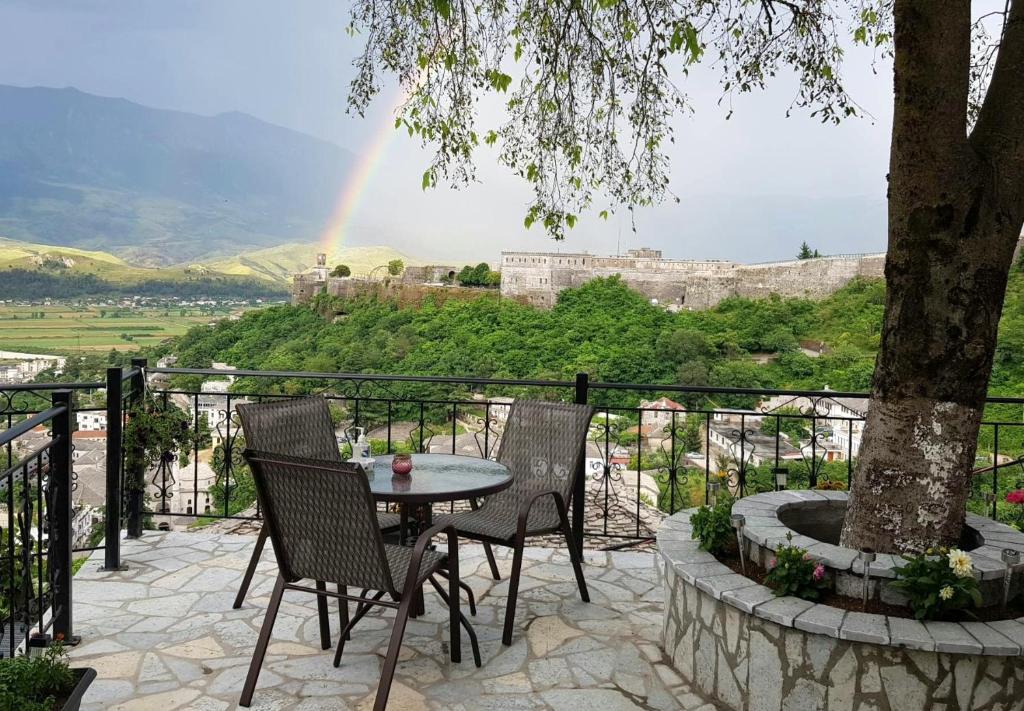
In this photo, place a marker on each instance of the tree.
(806, 252)
(590, 114)
(342, 270)
(396, 267)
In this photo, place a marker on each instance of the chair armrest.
(413, 574)
(524, 509)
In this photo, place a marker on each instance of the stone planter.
(752, 651)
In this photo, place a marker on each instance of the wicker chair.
(322, 523)
(300, 428)
(543, 446)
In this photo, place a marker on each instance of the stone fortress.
(538, 277)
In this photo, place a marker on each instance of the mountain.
(279, 263)
(153, 186)
(64, 262)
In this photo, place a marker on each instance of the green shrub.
(794, 572)
(35, 683)
(938, 582)
(712, 527)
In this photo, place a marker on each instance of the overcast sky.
(751, 188)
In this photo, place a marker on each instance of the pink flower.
(819, 572)
(1015, 497)
(772, 563)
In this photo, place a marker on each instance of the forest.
(602, 328)
(35, 285)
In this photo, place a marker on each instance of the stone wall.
(752, 651)
(538, 277)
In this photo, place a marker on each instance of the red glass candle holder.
(401, 464)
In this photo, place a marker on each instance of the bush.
(794, 572)
(712, 527)
(35, 683)
(938, 582)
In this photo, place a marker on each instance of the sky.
(751, 188)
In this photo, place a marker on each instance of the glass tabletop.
(438, 477)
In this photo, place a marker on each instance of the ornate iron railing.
(653, 449)
(36, 524)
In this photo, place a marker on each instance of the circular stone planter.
(752, 651)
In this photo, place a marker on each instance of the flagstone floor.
(162, 635)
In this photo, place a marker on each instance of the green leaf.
(443, 8)
(428, 178)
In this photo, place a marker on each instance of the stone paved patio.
(162, 635)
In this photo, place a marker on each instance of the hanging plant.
(154, 432)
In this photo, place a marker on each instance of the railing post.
(112, 515)
(59, 546)
(579, 493)
(135, 496)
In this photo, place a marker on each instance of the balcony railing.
(653, 449)
(35, 528)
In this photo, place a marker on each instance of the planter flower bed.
(737, 640)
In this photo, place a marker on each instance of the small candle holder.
(867, 557)
(738, 522)
(1011, 559)
(401, 464)
(713, 487)
(781, 478)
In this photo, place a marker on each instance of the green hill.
(279, 263)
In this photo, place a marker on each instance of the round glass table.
(438, 478)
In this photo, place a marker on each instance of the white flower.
(961, 563)
(946, 593)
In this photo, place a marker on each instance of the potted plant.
(44, 682)
(154, 432)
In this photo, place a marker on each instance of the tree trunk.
(954, 217)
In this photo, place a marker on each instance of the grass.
(67, 329)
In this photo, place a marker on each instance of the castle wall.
(538, 277)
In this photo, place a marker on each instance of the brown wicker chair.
(298, 427)
(322, 523)
(543, 446)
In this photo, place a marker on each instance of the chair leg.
(574, 556)
(321, 611)
(387, 673)
(346, 632)
(513, 591)
(343, 612)
(463, 621)
(261, 540)
(491, 562)
(454, 600)
(470, 597)
(261, 643)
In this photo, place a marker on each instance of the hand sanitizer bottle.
(363, 449)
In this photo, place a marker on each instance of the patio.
(162, 635)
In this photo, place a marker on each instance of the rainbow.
(354, 188)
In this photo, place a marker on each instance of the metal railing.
(653, 449)
(36, 528)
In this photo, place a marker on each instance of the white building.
(91, 421)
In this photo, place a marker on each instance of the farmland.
(66, 329)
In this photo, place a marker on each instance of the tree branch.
(999, 133)
(932, 83)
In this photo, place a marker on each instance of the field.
(65, 330)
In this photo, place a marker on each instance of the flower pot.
(73, 701)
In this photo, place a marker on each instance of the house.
(840, 419)
(89, 421)
(659, 413)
